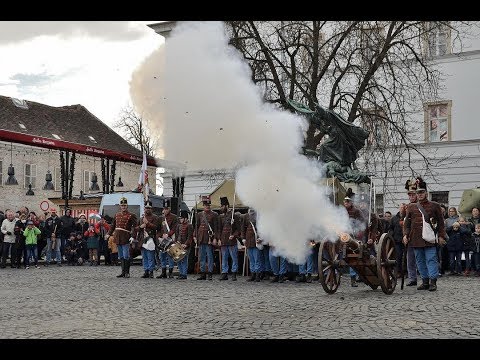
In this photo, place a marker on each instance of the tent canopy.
(225, 189)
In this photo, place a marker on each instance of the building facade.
(24, 124)
(447, 131)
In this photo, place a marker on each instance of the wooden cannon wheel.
(328, 266)
(386, 262)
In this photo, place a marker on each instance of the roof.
(72, 123)
(225, 189)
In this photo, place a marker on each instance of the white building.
(447, 130)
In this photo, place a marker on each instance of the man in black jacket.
(68, 226)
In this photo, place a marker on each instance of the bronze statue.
(340, 150)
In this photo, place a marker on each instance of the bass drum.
(165, 244)
(176, 252)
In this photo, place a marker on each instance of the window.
(438, 121)
(87, 178)
(440, 196)
(372, 40)
(20, 103)
(30, 175)
(374, 121)
(57, 180)
(439, 38)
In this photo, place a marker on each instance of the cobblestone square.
(86, 302)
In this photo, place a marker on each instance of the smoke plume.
(197, 93)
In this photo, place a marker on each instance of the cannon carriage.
(375, 268)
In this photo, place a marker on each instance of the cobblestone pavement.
(87, 302)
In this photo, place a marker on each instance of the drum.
(165, 244)
(176, 252)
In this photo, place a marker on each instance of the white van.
(110, 204)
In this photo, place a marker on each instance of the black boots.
(353, 281)
(274, 279)
(146, 274)
(412, 283)
(127, 268)
(252, 278)
(122, 263)
(433, 285)
(309, 278)
(224, 276)
(163, 275)
(301, 278)
(209, 276)
(234, 277)
(170, 275)
(424, 285)
(202, 276)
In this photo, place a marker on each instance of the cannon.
(373, 269)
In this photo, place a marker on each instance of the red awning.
(39, 141)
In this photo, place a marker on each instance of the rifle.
(196, 268)
(404, 264)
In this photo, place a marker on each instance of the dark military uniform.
(184, 235)
(249, 233)
(172, 221)
(151, 230)
(205, 234)
(229, 246)
(121, 229)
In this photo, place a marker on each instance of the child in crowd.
(92, 244)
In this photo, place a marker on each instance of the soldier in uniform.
(147, 228)
(307, 267)
(357, 219)
(207, 224)
(121, 229)
(250, 238)
(425, 252)
(229, 232)
(184, 236)
(411, 187)
(167, 230)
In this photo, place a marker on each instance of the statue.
(341, 148)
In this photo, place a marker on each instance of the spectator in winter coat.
(476, 248)
(455, 248)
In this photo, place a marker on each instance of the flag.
(143, 177)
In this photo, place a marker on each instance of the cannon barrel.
(349, 241)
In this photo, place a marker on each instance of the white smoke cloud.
(199, 95)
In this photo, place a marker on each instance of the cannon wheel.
(385, 266)
(328, 268)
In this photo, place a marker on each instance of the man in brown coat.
(167, 230)
(121, 229)
(229, 232)
(146, 233)
(425, 252)
(207, 230)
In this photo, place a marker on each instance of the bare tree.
(136, 131)
(372, 73)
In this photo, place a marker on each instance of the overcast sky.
(65, 63)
